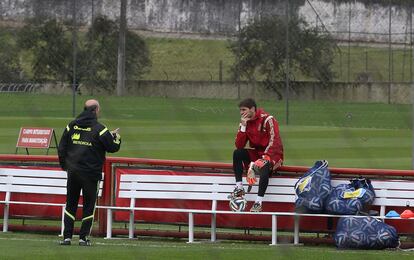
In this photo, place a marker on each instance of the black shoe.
(65, 242)
(85, 242)
(257, 207)
(237, 193)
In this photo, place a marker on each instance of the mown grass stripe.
(347, 135)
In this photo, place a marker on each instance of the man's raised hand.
(244, 118)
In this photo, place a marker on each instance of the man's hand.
(244, 118)
(259, 163)
(115, 131)
(116, 135)
(251, 175)
(254, 169)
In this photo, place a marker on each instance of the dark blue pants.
(76, 183)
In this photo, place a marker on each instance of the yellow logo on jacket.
(75, 140)
(76, 136)
(82, 129)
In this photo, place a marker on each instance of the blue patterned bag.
(350, 199)
(365, 233)
(313, 188)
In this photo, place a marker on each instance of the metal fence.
(100, 44)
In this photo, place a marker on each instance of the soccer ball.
(238, 204)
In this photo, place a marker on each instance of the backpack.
(352, 198)
(365, 233)
(313, 188)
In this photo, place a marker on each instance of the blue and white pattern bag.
(350, 199)
(365, 233)
(313, 188)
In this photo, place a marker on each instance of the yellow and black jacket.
(84, 143)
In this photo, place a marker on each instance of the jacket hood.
(260, 112)
(86, 118)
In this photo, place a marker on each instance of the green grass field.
(191, 59)
(347, 135)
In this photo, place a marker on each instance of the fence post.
(412, 84)
(389, 53)
(221, 71)
(349, 45)
(287, 62)
(238, 52)
(120, 86)
(74, 50)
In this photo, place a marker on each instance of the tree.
(100, 54)
(50, 43)
(51, 48)
(261, 51)
(9, 59)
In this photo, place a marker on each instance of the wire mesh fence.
(356, 51)
(79, 44)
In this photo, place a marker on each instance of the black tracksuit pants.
(89, 186)
(240, 159)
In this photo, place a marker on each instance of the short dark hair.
(248, 102)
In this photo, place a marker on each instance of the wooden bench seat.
(389, 193)
(34, 182)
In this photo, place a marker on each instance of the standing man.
(264, 154)
(81, 153)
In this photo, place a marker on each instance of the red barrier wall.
(109, 198)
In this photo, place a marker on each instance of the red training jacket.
(262, 133)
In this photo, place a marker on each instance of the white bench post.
(382, 208)
(382, 211)
(109, 223)
(6, 213)
(6, 218)
(131, 219)
(213, 221)
(274, 230)
(296, 231)
(63, 221)
(213, 227)
(190, 227)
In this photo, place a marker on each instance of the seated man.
(265, 152)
